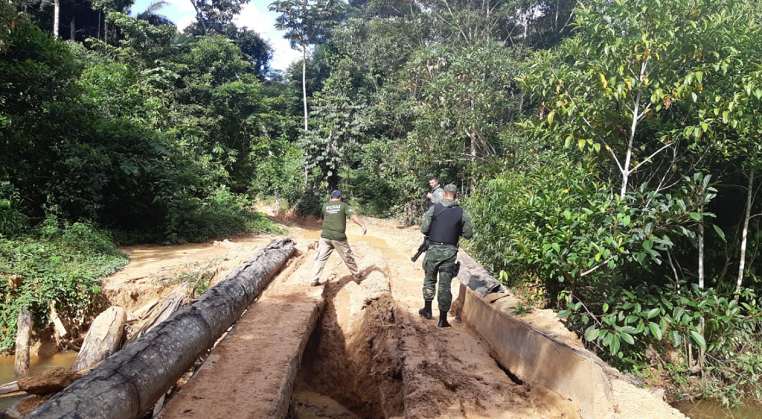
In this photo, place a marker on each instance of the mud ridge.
(353, 354)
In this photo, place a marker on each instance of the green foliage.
(12, 222)
(684, 317)
(562, 224)
(306, 22)
(62, 264)
(220, 215)
(374, 196)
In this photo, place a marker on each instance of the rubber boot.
(425, 312)
(443, 320)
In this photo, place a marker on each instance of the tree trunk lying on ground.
(474, 276)
(59, 330)
(103, 338)
(130, 382)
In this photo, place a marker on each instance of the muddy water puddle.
(708, 409)
(311, 405)
(37, 364)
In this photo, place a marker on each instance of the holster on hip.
(453, 269)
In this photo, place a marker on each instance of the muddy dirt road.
(370, 355)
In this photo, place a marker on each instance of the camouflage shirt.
(437, 194)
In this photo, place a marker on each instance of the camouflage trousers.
(437, 257)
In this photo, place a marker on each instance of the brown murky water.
(37, 364)
(708, 409)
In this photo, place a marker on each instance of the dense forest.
(608, 152)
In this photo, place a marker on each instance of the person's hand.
(428, 195)
(364, 230)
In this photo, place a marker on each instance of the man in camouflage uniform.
(335, 214)
(444, 224)
(436, 194)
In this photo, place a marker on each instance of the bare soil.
(371, 355)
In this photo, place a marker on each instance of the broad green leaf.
(698, 339)
(591, 333)
(655, 330)
(628, 329)
(652, 313)
(719, 232)
(614, 344)
(627, 338)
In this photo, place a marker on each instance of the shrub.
(65, 267)
(12, 221)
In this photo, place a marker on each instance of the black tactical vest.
(446, 224)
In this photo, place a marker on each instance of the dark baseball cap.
(336, 193)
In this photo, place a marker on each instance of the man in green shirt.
(335, 214)
(444, 223)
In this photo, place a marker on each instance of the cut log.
(475, 277)
(103, 338)
(8, 388)
(26, 385)
(49, 381)
(130, 382)
(169, 305)
(23, 333)
(58, 327)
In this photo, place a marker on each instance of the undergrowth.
(61, 264)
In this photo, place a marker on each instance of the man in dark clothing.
(436, 194)
(444, 223)
(335, 214)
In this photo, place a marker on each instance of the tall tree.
(213, 15)
(306, 22)
(256, 50)
(614, 87)
(151, 13)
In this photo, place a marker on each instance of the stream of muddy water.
(37, 364)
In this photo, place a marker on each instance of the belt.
(439, 243)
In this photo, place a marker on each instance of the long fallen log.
(130, 382)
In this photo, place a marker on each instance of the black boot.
(425, 312)
(443, 320)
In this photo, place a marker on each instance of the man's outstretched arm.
(355, 219)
